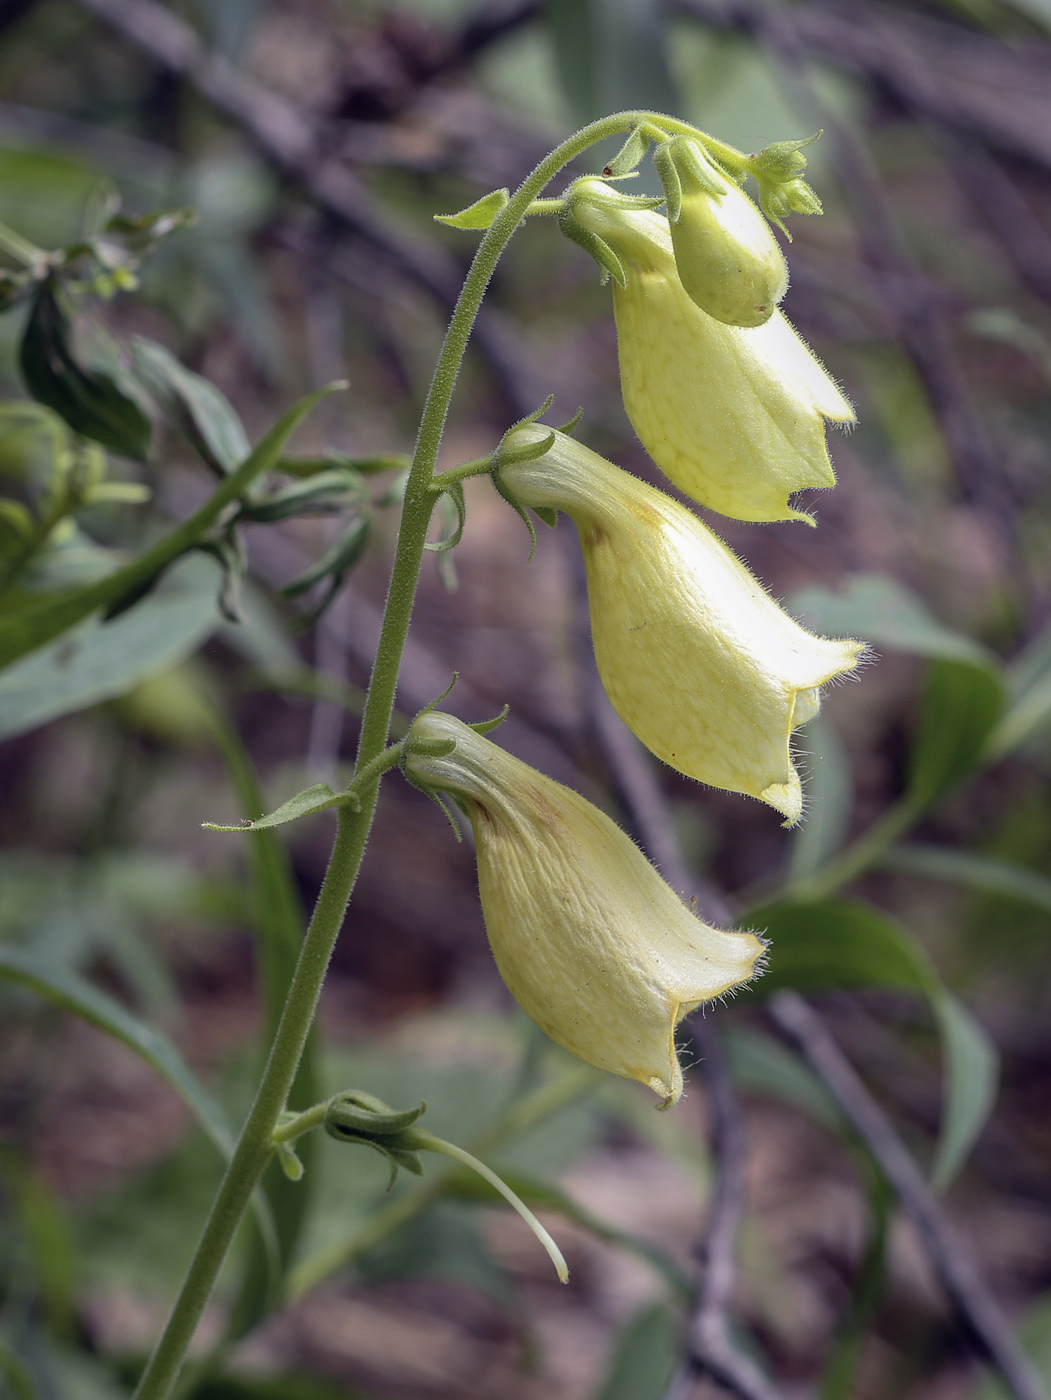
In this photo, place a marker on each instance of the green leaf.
(37, 623)
(878, 609)
(611, 56)
(763, 1065)
(645, 1357)
(86, 399)
(829, 788)
(16, 1373)
(99, 660)
(837, 943)
(336, 561)
(480, 214)
(194, 406)
(72, 993)
(960, 707)
(317, 798)
(965, 868)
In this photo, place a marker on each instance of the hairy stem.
(255, 1143)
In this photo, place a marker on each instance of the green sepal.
(486, 726)
(670, 182)
(547, 514)
(455, 494)
(355, 1116)
(627, 158)
(480, 214)
(599, 249)
(568, 426)
(317, 798)
(781, 160)
(289, 1162)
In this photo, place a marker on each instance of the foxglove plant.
(698, 659)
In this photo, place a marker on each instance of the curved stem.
(458, 1154)
(255, 1143)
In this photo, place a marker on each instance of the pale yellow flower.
(696, 657)
(591, 942)
(733, 415)
(726, 254)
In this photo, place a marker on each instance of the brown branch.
(975, 1304)
(294, 142)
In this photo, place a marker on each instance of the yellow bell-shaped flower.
(696, 657)
(733, 415)
(594, 946)
(725, 251)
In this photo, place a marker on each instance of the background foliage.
(143, 958)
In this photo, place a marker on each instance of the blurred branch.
(712, 1350)
(959, 1277)
(295, 144)
(971, 82)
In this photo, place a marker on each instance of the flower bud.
(727, 257)
(592, 943)
(733, 415)
(696, 657)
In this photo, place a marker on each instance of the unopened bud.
(725, 251)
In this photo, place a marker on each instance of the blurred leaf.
(336, 561)
(836, 943)
(1035, 1335)
(645, 1356)
(16, 1373)
(961, 705)
(316, 798)
(829, 795)
(480, 214)
(289, 1387)
(86, 399)
(45, 1223)
(99, 660)
(965, 868)
(367, 466)
(38, 622)
(194, 405)
(324, 493)
(1029, 689)
(72, 993)
(443, 1243)
(763, 1065)
(878, 609)
(611, 56)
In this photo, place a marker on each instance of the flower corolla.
(733, 415)
(594, 946)
(696, 657)
(725, 251)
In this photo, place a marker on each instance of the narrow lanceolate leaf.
(978, 872)
(41, 620)
(87, 399)
(72, 993)
(193, 405)
(837, 943)
(480, 214)
(881, 610)
(317, 798)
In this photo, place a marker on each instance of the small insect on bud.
(733, 415)
(696, 657)
(726, 254)
(591, 942)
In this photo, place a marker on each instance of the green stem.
(479, 466)
(458, 1154)
(862, 855)
(255, 1143)
(301, 1123)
